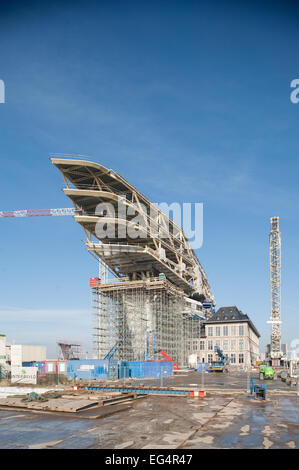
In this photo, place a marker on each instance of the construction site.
(149, 238)
(159, 342)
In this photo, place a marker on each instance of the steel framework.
(159, 282)
(275, 287)
(68, 350)
(161, 245)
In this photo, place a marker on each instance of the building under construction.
(156, 297)
(69, 350)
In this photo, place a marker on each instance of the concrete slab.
(54, 404)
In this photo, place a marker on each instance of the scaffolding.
(130, 316)
(68, 350)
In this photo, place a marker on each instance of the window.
(217, 330)
(194, 345)
(202, 345)
(210, 331)
(233, 358)
(50, 367)
(210, 357)
(241, 358)
(218, 343)
(241, 344)
(241, 330)
(225, 331)
(210, 345)
(225, 345)
(62, 367)
(233, 344)
(233, 331)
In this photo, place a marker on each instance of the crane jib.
(38, 212)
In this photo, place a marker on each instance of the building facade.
(234, 333)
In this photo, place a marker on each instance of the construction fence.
(111, 369)
(96, 369)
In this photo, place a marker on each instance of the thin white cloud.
(41, 315)
(45, 326)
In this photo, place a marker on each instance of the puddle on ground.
(235, 441)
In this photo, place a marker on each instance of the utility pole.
(275, 285)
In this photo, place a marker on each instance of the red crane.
(168, 358)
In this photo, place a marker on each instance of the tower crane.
(275, 279)
(38, 212)
(103, 268)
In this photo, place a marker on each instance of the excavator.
(220, 365)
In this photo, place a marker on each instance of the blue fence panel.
(123, 370)
(134, 369)
(113, 369)
(93, 369)
(88, 369)
(137, 369)
(140, 370)
(155, 369)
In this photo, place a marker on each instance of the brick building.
(234, 333)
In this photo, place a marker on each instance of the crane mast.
(275, 285)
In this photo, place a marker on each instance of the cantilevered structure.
(159, 282)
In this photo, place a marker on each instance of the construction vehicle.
(220, 364)
(266, 372)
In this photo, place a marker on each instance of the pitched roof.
(231, 314)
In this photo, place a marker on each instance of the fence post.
(248, 380)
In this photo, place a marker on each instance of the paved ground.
(221, 420)
(215, 381)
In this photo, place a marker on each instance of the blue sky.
(190, 101)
